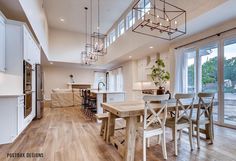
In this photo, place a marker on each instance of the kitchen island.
(108, 97)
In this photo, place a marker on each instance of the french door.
(229, 75)
(208, 76)
(212, 68)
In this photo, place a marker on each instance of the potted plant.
(160, 76)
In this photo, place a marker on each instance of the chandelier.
(84, 55)
(87, 55)
(99, 39)
(158, 18)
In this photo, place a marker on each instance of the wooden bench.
(104, 118)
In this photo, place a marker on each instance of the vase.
(161, 91)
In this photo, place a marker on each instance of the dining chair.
(204, 115)
(182, 117)
(154, 125)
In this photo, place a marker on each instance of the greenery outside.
(210, 76)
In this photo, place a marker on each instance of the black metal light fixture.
(99, 39)
(91, 54)
(84, 54)
(158, 18)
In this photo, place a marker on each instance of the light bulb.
(176, 22)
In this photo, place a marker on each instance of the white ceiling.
(204, 12)
(73, 13)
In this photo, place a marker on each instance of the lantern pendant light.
(84, 54)
(159, 18)
(91, 54)
(99, 39)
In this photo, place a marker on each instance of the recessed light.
(151, 47)
(62, 19)
(51, 63)
(130, 57)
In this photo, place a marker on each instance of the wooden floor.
(65, 134)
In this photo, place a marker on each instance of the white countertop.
(10, 95)
(105, 92)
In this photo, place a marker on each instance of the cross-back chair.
(204, 115)
(154, 125)
(182, 118)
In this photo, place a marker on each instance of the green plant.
(159, 75)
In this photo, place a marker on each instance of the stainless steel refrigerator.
(39, 91)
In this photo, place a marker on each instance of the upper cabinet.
(141, 75)
(31, 49)
(2, 44)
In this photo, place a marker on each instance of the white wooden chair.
(182, 118)
(154, 125)
(204, 115)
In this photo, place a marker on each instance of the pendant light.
(91, 54)
(99, 39)
(159, 18)
(84, 54)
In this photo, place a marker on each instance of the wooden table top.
(136, 108)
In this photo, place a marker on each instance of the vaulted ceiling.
(72, 11)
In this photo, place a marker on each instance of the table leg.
(131, 127)
(207, 127)
(110, 127)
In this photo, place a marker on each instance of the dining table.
(131, 112)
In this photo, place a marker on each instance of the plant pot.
(161, 91)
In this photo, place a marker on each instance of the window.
(199, 72)
(229, 89)
(99, 77)
(121, 28)
(112, 36)
(116, 80)
(146, 5)
(208, 57)
(191, 71)
(130, 20)
(215, 68)
(108, 42)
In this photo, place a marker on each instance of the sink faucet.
(103, 84)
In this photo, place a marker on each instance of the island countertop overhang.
(106, 92)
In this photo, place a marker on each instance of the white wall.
(58, 77)
(65, 46)
(37, 18)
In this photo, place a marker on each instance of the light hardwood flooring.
(66, 134)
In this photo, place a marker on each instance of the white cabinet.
(141, 73)
(20, 114)
(36, 53)
(33, 105)
(26, 37)
(2, 44)
(31, 49)
(115, 97)
(12, 117)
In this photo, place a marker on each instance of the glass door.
(191, 70)
(208, 73)
(229, 91)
